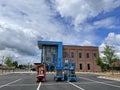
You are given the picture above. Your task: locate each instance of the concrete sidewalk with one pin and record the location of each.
(109, 78)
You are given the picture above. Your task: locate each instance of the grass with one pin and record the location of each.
(113, 76)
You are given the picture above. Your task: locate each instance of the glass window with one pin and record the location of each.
(80, 66)
(64, 54)
(80, 55)
(95, 55)
(87, 55)
(88, 65)
(72, 54)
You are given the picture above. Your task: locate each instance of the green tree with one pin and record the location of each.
(109, 54)
(15, 63)
(22, 66)
(102, 64)
(8, 62)
(108, 59)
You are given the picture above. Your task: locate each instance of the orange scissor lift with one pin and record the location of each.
(41, 72)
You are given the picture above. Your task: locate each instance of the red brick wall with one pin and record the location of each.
(84, 60)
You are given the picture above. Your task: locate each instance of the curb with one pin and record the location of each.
(102, 77)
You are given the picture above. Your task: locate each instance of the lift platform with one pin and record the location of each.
(69, 70)
(41, 72)
(59, 70)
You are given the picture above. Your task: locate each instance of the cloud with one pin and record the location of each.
(22, 24)
(81, 10)
(16, 38)
(113, 40)
(109, 23)
(86, 43)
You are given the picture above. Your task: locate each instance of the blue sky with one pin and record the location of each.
(73, 22)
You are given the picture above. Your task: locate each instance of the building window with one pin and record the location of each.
(80, 66)
(88, 66)
(64, 54)
(95, 55)
(80, 55)
(72, 54)
(87, 55)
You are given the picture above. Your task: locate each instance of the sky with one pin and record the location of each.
(73, 22)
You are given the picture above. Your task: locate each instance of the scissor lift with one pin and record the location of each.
(69, 70)
(59, 70)
(41, 72)
(71, 74)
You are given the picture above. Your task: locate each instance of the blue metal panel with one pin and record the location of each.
(60, 50)
(59, 44)
(48, 43)
(58, 62)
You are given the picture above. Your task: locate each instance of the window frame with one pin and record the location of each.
(80, 55)
(72, 55)
(88, 66)
(87, 55)
(81, 67)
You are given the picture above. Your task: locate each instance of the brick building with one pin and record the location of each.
(84, 56)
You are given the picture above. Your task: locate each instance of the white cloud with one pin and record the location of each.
(113, 40)
(22, 24)
(86, 43)
(81, 10)
(106, 23)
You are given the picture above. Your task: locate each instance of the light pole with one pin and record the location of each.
(28, 66)
(2, 63)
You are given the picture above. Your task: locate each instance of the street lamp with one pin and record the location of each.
(2, 63)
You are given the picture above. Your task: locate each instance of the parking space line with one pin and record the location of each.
(39, 86)
(50, 84)
(100, 82)
(76, 86)
(21, 85)
(9, 83)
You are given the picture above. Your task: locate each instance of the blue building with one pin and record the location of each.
(51, 52)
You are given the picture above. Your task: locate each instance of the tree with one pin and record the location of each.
(15, 63)
(22, 66)
(109, 54)
(8, 62)
(102, 64)
(108, 59)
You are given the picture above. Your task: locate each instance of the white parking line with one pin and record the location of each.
(100, 82)
(21, 85)
(39, 86)
(76, 86)
(9, 83)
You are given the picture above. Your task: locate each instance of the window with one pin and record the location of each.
(64, 54)
(87, 55)
(95, 55)
(80, 66)
(88, 65)
(72, 54)
(80, 55)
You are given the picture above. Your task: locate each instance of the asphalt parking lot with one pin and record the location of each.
(27, 81)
